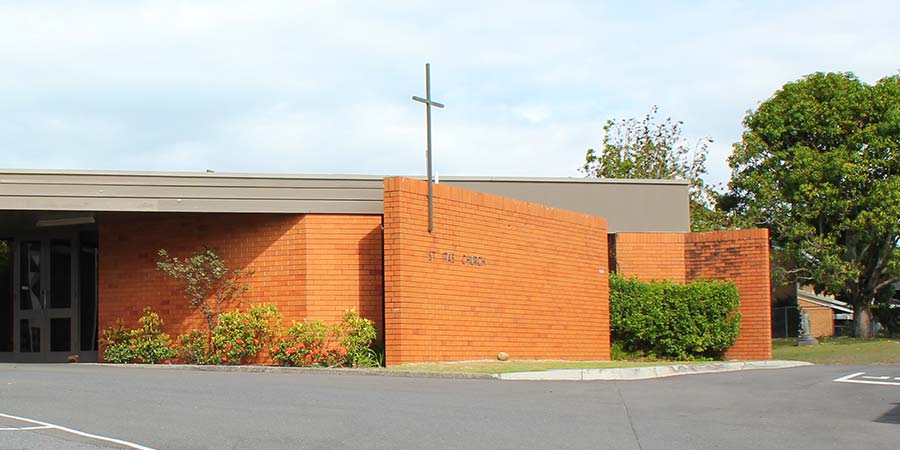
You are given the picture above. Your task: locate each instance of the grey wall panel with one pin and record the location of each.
(627, 205)
(190, 192)
(187, 179)
(191, 205)
(273, 206)
(213, 192)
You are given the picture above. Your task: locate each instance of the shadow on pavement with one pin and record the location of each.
(892, 416)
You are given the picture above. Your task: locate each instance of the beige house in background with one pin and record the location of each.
(826, 314)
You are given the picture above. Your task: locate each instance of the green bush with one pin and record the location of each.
(147, 344)
(618, 352)
(347, 343)
(663, 319)
(309, 344)
(240, 336)
(194, 347)
(357, 334)
(237, 338)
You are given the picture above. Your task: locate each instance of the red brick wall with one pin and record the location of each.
(542, 292)
(651, 256)
(743, 258)
(342, 266)
(312, 266)
(738, 256)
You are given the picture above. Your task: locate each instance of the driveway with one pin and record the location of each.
(47, 406)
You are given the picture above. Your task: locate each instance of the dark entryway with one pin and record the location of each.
(48, 291)
(6, 297)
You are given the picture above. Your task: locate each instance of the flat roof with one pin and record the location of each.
(627, 204)
(299, 176)
(566, 180)
(182, 174)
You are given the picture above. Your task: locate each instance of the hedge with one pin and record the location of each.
(663, 319)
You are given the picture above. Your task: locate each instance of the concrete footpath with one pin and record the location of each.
(608, 374)
(646, 372)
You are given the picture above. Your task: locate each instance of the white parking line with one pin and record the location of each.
(46, 425)
(855, 378)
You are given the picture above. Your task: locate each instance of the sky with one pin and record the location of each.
(325, 87)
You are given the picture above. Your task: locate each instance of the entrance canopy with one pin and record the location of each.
(629, 205)
(59, 190)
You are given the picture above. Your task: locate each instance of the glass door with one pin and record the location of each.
(45, 310)
(30, 333)
(59, 306)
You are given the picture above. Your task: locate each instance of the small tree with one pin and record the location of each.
(649, 148)
(209, 285)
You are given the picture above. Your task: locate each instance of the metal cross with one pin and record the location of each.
(428, 104)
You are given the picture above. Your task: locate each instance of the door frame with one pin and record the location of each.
(46, 314)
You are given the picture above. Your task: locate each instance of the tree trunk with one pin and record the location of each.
(862, 320)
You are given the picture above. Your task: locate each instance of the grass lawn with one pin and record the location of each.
(527, 365)
(840, 350)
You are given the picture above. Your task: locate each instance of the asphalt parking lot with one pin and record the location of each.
(91, 407)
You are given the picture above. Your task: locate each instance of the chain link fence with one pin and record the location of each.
(785, 322)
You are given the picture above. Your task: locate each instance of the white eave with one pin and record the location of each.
(816, 299)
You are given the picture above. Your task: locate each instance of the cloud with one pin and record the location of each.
(324, 87)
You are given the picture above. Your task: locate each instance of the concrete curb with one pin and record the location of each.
(305, 370)
(611, 374)
(648, 372)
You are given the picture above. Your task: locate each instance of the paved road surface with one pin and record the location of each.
(802, 408)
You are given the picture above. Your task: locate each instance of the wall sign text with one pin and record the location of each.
(452, 258)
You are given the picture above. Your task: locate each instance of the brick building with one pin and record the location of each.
(827, 315)
(518, 265)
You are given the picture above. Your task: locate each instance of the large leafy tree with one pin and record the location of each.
(819, 165)
(656, 149)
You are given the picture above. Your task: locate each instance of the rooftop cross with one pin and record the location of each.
(428, 104)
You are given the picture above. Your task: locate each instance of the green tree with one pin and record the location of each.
(654, 149)
(208, 283)
(819, 165)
